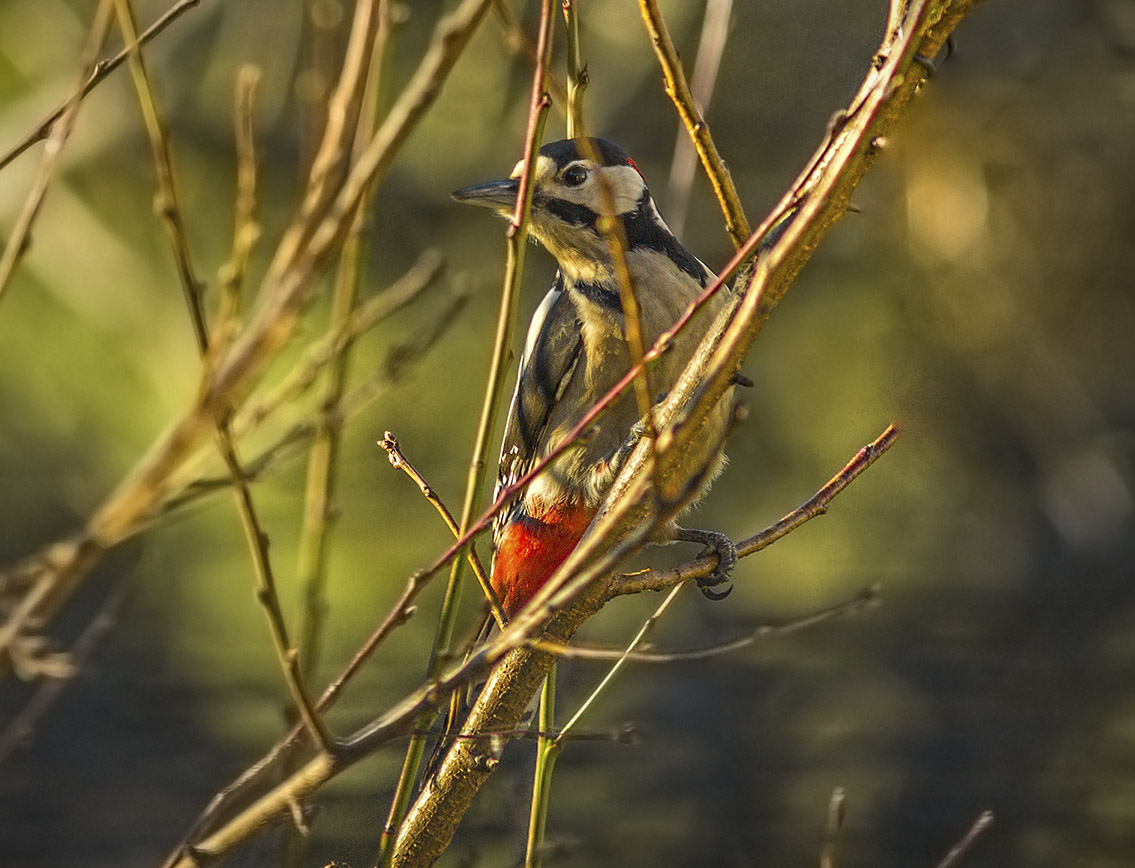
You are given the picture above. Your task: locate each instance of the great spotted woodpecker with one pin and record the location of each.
(576, 351)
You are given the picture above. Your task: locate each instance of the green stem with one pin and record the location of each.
(475, 480)
(547, 751)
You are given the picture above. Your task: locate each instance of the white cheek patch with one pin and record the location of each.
(545, 168)
(626, 187)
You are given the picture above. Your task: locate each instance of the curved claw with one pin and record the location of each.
(719, 544)
(711, 594)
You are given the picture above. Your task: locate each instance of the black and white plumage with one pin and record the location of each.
(576, 351)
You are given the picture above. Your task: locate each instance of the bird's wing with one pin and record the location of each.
(551, 351)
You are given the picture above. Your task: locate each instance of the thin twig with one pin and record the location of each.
(711, 47)
(679, 92)
(960, 849)
(399, 461)
(866, 599)
(19, 240)
(817, 504)
(167, 204)
(99, 72)
(622, 657)
(246, 228)
(577, 76)
(833, 824)
(548, 747)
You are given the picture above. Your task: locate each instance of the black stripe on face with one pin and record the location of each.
(644, 230)
(571, 213)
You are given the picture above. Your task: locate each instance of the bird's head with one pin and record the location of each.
(575, 183)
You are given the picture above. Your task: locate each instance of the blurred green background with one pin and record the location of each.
(981, 298)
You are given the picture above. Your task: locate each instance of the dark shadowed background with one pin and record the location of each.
(981, 299)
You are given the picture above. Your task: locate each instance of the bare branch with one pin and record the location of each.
(817, 504)
(866, 599)
(99, 72)
(399, 461)
(60, 130)
(960, 849)
(679, 91)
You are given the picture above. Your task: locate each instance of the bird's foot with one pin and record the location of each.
(719, 544)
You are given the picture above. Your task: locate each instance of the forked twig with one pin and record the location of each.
(19, 239)
(399, 461)
(99, 72)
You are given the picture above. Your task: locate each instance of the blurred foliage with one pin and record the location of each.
(981, 298)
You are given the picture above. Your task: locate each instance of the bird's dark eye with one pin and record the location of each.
(575, 175)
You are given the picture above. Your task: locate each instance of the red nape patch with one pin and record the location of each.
(634, 166)
(531, 549)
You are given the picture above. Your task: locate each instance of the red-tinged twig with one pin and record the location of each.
(817, 504)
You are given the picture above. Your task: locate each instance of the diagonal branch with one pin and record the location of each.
(19, 240)
(99, 72)
(678, 89)
(817, 504)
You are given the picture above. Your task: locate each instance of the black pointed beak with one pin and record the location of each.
(498, 195)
